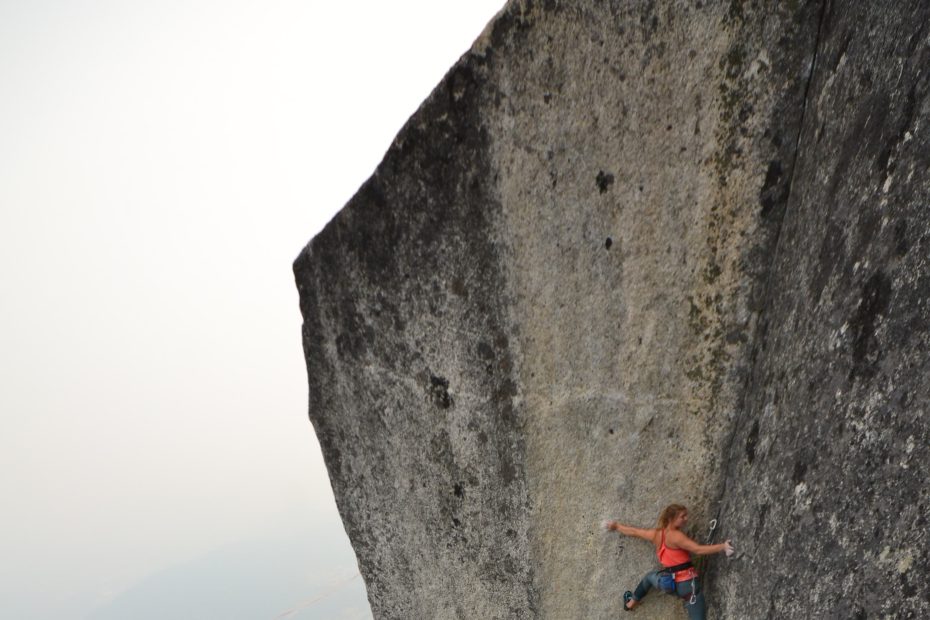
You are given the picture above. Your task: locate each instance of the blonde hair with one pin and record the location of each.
(669, 514)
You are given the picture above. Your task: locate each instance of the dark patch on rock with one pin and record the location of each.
(832, 254)
(760, 521)
(800, 469)
(608, 243)
(508, 470)
(867, 227)
(773, 193)
(751, 440)
(604, 181)
(485, 351)
(908, 589)
(901, 245)
(439, 391)
(736, 336)
(458, 288)
(873, 301)
(504, 394)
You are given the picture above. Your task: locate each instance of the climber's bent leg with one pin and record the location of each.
(649, 581)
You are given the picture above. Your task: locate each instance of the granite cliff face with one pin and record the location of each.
(827, 474)
(629, 253)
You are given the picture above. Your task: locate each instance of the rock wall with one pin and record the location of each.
(827, 485)
(630, 253)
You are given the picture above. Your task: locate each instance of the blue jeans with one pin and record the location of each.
(695, 610)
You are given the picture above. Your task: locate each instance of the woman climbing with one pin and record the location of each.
(674, 550)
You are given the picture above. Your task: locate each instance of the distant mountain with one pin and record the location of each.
(289, 579)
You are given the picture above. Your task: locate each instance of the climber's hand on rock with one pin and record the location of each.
(727, 548)
(607, 525)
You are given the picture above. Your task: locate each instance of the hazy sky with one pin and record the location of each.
(161, 165)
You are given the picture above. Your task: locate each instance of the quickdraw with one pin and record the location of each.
(693, 599)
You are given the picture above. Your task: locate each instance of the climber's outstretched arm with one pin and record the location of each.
(629, 530)
(681, 541)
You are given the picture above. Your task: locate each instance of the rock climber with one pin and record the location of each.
(674, 550)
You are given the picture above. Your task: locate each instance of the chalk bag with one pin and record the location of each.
(667, 582)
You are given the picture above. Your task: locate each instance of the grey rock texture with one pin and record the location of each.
(827, 485)
(629, 253)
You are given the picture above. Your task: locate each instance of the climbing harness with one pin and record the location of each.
(666, 577)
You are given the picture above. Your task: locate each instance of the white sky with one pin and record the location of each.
(161, 165)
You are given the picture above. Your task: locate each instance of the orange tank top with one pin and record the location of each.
(674, 557)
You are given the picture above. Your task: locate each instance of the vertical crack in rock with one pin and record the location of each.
(773, 176)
